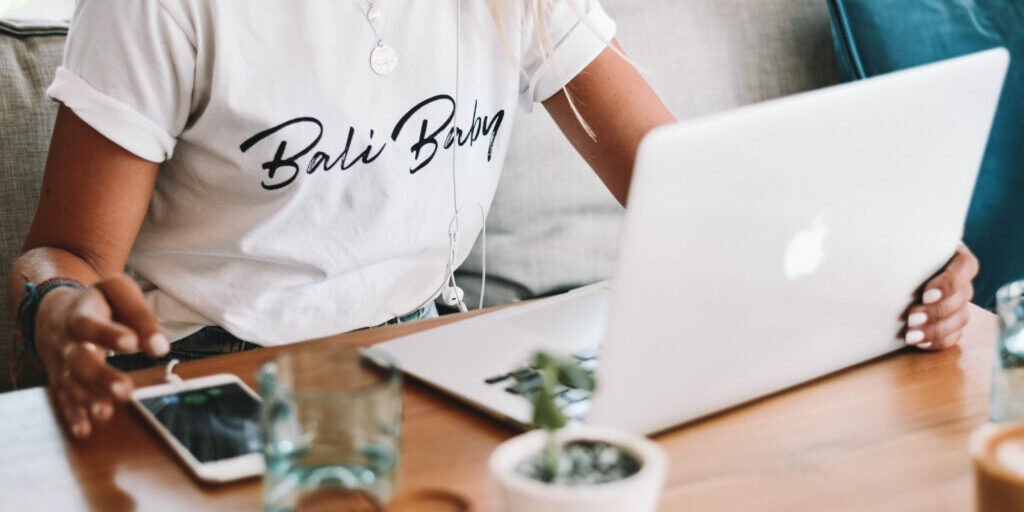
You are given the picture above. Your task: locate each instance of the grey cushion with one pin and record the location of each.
(29, 54)
(553, 226)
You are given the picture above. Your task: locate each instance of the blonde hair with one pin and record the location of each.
(537, 11)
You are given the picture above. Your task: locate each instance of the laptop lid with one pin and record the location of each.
(776, 243)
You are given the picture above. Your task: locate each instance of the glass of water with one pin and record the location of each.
(1007, 403)
(332, 419)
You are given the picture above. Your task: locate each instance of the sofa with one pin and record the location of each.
(552, 226)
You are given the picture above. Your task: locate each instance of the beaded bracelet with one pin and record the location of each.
(25, 321)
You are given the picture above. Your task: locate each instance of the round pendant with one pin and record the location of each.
(373, 12)
(383, 59)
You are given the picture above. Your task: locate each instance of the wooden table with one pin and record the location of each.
(887, 435)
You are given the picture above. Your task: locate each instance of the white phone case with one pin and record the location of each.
(226, 470)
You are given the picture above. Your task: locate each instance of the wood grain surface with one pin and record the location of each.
(888, 435)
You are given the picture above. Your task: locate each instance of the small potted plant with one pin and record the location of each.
(571, 467)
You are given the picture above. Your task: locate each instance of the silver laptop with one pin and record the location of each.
(762, 248)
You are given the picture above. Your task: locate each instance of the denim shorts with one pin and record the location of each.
(215, 341)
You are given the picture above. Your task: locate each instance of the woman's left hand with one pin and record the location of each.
(938, 321)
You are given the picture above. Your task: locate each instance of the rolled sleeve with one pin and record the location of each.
(115, 120)
(575, 42)
(128, 72)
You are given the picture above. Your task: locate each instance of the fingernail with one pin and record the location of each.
(915, 336)
(126, 343)
(100, 411)
(931, 296)
(925, 345)
(159, 344)
(917, 319)
(118, 389)
(79, 430)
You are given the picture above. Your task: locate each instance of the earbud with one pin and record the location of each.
(452, 296)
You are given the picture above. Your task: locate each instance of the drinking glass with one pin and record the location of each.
(332, 418)
(1007, 402)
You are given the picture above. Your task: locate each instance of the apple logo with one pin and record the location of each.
(806, 250)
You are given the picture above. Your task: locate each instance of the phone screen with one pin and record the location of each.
(214, 423)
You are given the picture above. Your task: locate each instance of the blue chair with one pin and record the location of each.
(878, 36)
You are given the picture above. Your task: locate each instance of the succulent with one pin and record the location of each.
(554, 372)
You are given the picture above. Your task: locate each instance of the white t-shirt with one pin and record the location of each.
(300, 194)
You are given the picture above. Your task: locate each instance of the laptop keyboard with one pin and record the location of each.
(525, 381)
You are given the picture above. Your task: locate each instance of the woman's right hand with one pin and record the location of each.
(74, 331)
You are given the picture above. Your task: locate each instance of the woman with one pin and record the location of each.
(275, 171)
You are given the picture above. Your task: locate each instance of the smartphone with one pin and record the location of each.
(211, 423)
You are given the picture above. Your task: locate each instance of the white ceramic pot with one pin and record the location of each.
(638, 493)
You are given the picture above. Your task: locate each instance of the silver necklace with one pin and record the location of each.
(383, 57)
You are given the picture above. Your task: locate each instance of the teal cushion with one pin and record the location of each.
(879, 36)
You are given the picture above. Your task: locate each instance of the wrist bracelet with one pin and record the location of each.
(27, 309)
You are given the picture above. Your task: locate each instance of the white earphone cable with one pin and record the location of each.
(449, 289)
